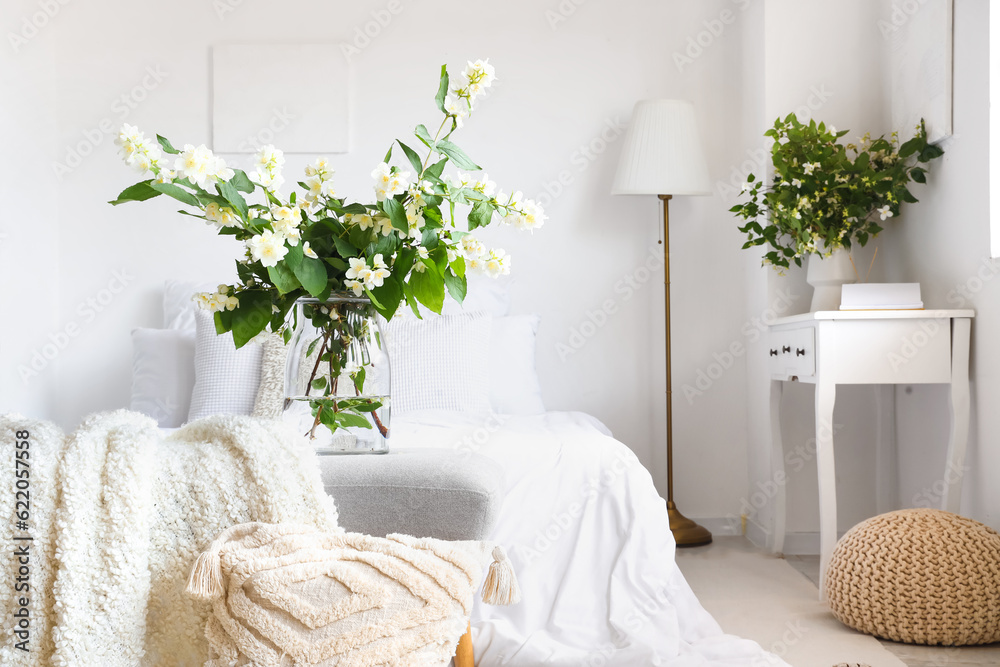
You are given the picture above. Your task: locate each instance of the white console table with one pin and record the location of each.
(884, 347)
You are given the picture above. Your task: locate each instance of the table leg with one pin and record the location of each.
(886, 461)
(826, 393)
(777, 469)
(955, 468)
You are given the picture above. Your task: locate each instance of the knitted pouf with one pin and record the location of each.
(918, 576)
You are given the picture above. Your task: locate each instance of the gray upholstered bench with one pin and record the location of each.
(421, 492)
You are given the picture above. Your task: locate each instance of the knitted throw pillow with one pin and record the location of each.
(286, 595)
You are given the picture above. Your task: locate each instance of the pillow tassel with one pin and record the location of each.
(501, 586)
(205, 582)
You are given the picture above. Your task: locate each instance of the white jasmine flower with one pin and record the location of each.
(166, 176)
(810, 167)
(422, 253)
(472, 247)
(477, 77)
(885, 212)
(357, 265)
(457, 107)
(497, 263)
(138, 152)
(309, 252)
(452, 255)
(363, 220)
(415, 220)
(419, 267)
(485, 185)
(269, 158)
(198, 164)
(389, 183)
(358, 288)
(796, 183)
(383, 225)
(268, 248)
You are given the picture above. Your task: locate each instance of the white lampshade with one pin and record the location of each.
(662, 153)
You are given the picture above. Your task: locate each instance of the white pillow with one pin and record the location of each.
(440, 363)
(514, 385)
(226, 379)
(162, 374)
(178, 308)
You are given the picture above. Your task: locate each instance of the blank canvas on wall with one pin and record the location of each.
(920, 40)
(270, 94)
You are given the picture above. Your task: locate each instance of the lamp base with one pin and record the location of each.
(686, 532)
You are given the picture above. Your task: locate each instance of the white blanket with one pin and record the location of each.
(118, 515)
(590, 541)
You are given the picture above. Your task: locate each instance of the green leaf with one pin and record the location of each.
(252, 315)
(457, 285)
(428, 288)
(389, 295)
(480, 215)
(138, 192)
(282, 277)
(312, 274)
(442, 89)
(396, 213)
(412, 156)
(223, 321)
(319, 384)
(456, 155)
(436, 169)
(359, 380)
(232, 195)
(351, 420)
(344, 247)
(178, 193)
(388, 155)
(421, 132)
(241, 181)
(166, 145)
(411, 301)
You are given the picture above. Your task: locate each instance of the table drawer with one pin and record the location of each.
(792, 352)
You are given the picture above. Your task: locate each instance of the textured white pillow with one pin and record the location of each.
(514, 385)
(162, 374)
(440, 363)
(226, 379)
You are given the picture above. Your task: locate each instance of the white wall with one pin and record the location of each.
(563, 79)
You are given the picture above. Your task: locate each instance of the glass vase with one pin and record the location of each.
(337, 376)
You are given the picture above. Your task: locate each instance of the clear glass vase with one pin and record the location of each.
(337, 376)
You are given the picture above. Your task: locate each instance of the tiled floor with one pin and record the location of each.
(915, 656)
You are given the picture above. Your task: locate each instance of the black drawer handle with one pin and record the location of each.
(774, 353)
(786, 349)
(799, 352)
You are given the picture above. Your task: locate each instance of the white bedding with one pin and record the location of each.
(590, 540)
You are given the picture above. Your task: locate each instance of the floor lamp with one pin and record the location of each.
(662, 156)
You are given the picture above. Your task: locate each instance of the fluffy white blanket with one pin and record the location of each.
(116, 515)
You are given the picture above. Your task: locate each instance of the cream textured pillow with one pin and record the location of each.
(288, 594)
(440, 363)
(270, 400)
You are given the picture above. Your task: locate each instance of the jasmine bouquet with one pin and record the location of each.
(407, 244)
(825, 194)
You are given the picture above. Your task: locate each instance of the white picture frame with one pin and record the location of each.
(994, 133)
(270, 94)
(921, 36)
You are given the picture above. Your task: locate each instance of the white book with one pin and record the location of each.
(881, 296)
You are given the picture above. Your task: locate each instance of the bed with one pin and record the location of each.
(582, 521)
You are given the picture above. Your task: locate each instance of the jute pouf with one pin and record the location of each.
(918, 576)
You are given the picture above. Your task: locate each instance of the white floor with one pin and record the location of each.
(775, 602)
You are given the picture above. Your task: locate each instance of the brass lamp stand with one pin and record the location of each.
(686, 532)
